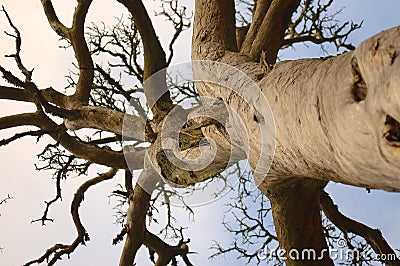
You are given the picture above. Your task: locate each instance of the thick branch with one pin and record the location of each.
(76, 36)
(297, 219)
(17, 120)
(214, 29)
(76, 147)
(336, 118)
(49, 94)
(178, 155)
(82, 54)
(227, 9)
(86, 116)
(107, 120)
(241, 35)
(80, 13)
(154, 55)
(55, 23)
(272, 30)
(165, 251)
(372, 236)
(139, 202)
(98, 155)
(156, 91)
(260, 11)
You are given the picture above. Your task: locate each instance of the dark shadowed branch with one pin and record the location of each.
(60, 174)
(4, 200)
(167, 253)
(272, 30)
(139, 202)
(56, 252)
(154, 59)
(178, 16)
(18, 41)
(372, 236)
(54, 22)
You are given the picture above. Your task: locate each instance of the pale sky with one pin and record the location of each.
(23, 241)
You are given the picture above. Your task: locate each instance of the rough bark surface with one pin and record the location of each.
(326, 119)
(296, 211)
(333, 116)
(323, 129)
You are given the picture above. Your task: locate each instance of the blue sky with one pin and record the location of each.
(23, 241)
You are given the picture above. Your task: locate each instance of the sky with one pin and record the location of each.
(23, 241)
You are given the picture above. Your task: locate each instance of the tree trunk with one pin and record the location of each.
(336, 119)
(298, 224)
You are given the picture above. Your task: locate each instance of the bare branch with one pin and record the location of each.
(313, 23)
(166, 253)
(128, 181)
(154, 55)
(4, 200)
(80, 13)
(17, 120)
(123, 42)
(107, 120)
(18, 41)
(76, 36)
(83, 117)
(76, 147)
(10, 78)
(55, 23)
(113, 82)
(372, 236)
(178, 17)
(60, 174)
(58, 250)
(120, 236)
(36, 133)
